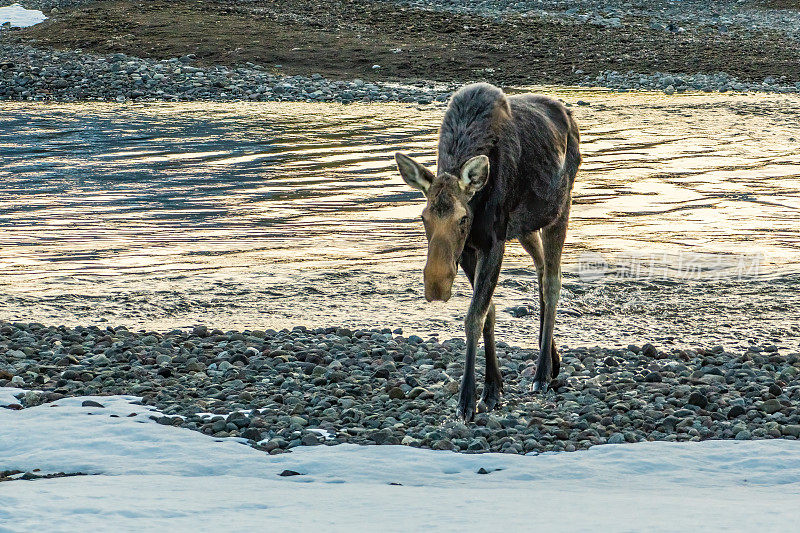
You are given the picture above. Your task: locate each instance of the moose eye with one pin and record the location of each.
(464, 222)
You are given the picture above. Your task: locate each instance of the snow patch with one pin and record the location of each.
(19, 17)
(155, 477)
(324, 433)
(8, 395)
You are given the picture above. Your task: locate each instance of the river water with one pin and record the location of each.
(685, 227)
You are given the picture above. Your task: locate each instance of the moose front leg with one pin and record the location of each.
(486, 273)
(493, 380)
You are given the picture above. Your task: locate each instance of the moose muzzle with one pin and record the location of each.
(439, 273)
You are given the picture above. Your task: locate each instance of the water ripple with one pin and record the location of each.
(187, 199)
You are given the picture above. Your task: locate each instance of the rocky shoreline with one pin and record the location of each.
(724, 15)
(672, 83)
(666, 15)
(281, 389)
(56, 61)
(29, 73)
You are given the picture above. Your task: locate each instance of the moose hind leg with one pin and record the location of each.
(553, 244)
(532, 243)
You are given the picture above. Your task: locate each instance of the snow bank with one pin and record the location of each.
(20, 17)
(8, 395)
(155, 477)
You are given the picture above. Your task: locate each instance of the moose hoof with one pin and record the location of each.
(490, 398)
(466, 404)
(540, 385)
(466, 412)
(556, 358)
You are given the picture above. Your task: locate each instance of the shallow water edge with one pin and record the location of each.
(268, 215)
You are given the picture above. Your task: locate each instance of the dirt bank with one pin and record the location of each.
(346, 38)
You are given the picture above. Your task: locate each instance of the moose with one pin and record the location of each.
(505, 170)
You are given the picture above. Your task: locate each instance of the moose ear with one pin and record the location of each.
(475, 174)
(413, 173)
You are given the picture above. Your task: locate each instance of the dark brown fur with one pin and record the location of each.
(531, 143)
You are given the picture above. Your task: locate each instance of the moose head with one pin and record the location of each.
(447, 216)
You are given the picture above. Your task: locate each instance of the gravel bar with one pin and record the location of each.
(281, 389)
(667, 15)
(672, 83)
(29, 73)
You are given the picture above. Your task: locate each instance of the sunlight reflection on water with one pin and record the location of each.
(197, 206)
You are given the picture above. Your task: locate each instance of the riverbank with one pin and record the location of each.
(203, 483)
(282, 389)
(356, 51)
(32, 73)
(29, 73)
